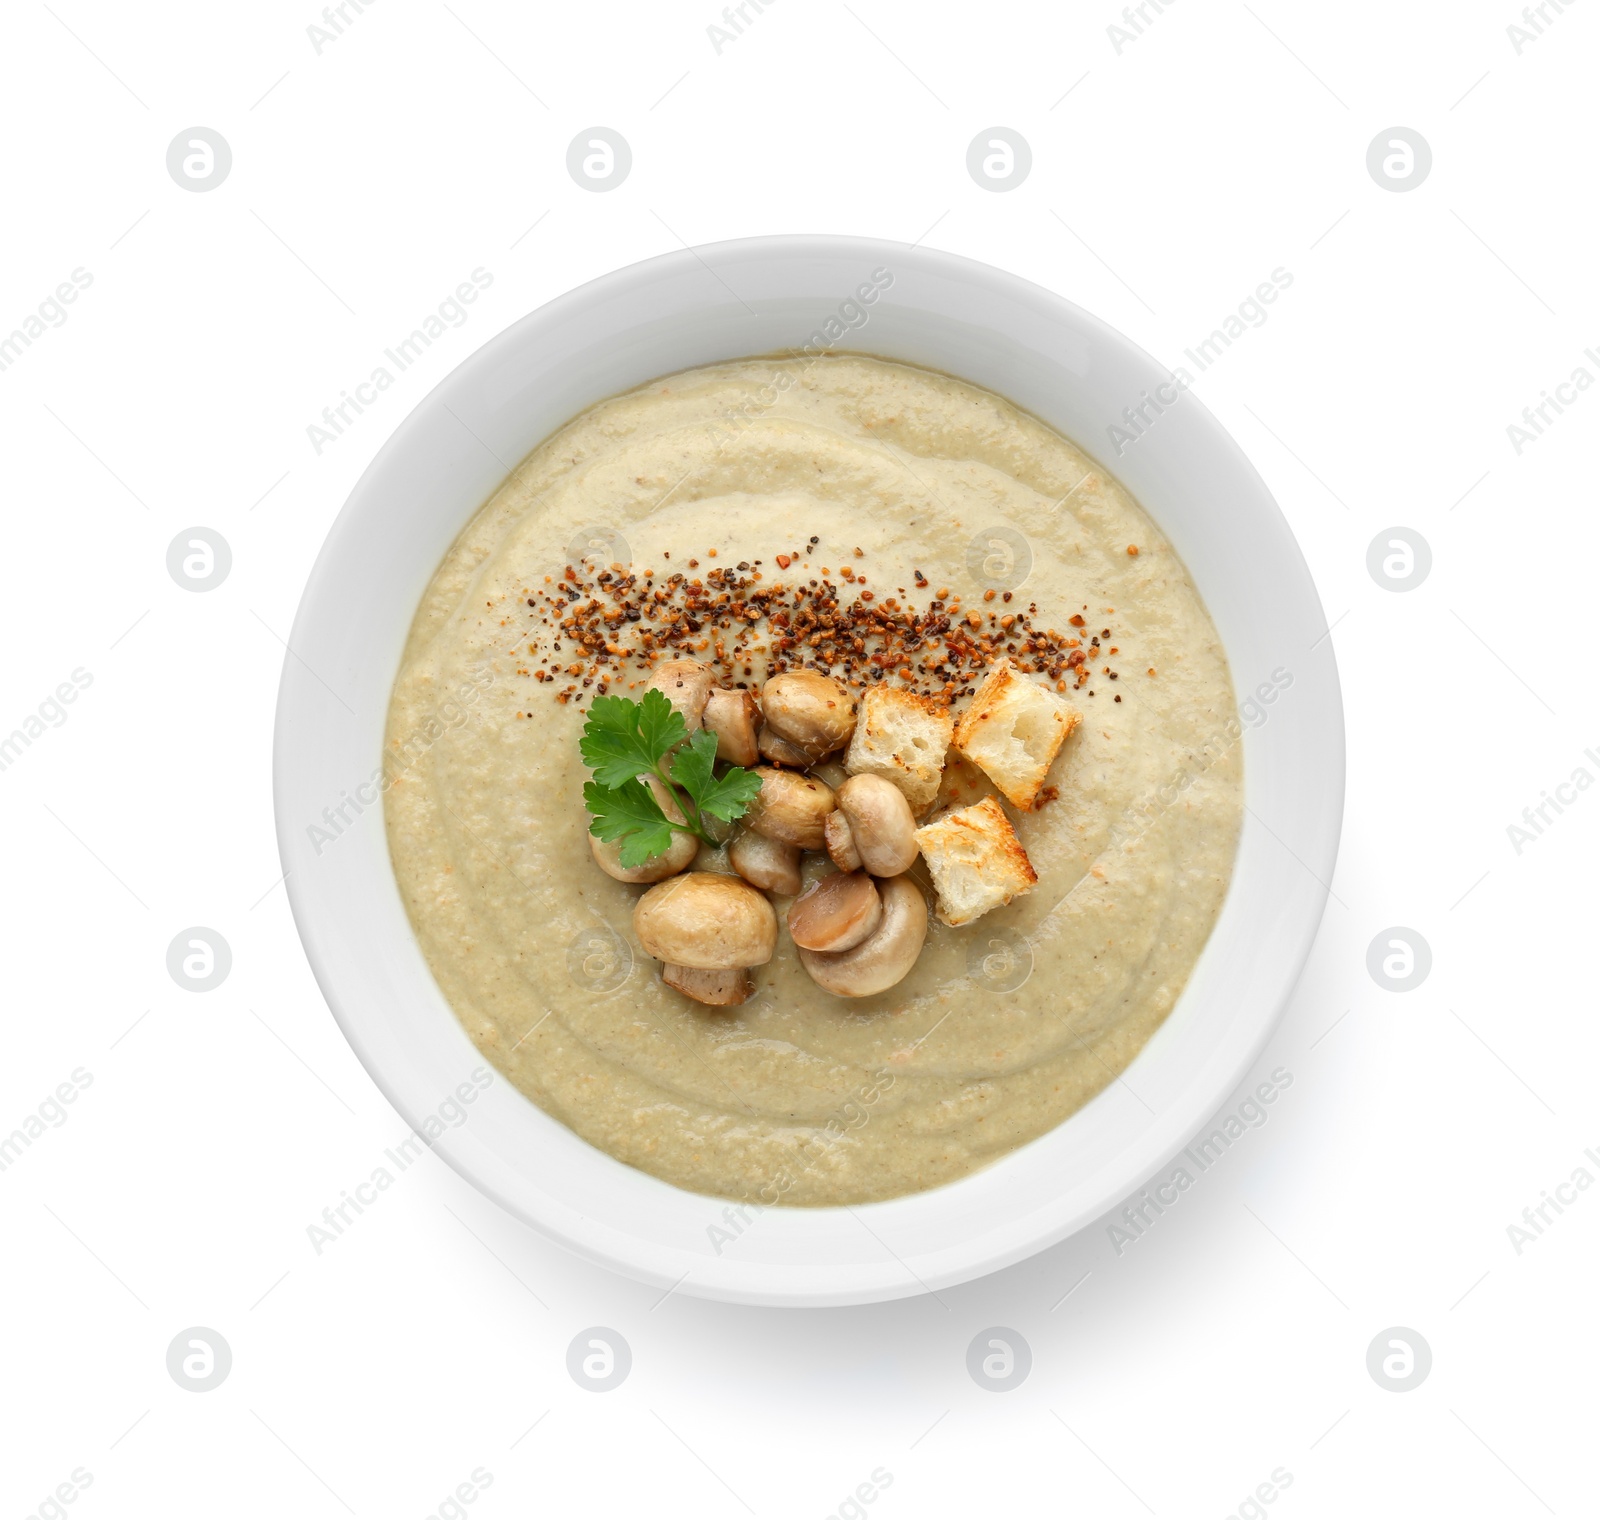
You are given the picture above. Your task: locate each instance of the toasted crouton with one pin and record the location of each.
(903, 738)
(976, 861)
(1012, 731)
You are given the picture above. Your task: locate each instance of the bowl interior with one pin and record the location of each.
(724, 302)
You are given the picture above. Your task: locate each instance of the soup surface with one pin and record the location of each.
(881, 486)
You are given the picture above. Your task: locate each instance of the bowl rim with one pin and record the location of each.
(760, 1285)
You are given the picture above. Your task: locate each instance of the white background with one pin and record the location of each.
(1169, 179)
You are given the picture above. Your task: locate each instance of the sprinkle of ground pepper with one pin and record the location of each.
(619, 623)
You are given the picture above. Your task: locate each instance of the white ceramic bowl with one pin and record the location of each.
(727, 301)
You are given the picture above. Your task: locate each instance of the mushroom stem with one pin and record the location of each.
(839, 842)
(716, 989)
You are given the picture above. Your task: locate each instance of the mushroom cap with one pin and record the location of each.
(790, 807)
(707, 922)
(770, 864)
(733, 717)
(810, 710)
(676, 857)
(885, 956)
(771, 745)
(686, 684)
(882, 826)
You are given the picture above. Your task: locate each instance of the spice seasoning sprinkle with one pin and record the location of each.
(587, 632)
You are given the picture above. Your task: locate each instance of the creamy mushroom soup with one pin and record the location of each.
(897, 532)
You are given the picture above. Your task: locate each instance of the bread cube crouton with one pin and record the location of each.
(976, 861)
(903, 738)
(1012, 731)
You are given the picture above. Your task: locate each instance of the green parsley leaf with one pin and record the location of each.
(728, 798)
(622, 737)
(691, 766)
(624, 740)
(631, 814)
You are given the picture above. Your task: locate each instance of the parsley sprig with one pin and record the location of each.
(625, 740)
